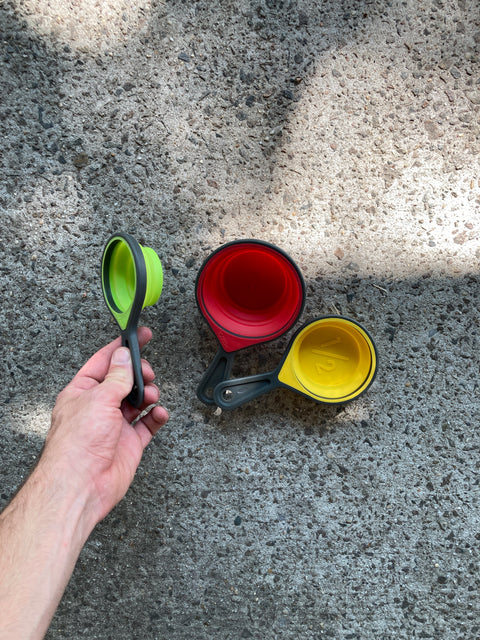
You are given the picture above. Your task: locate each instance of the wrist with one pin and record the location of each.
(66, 498)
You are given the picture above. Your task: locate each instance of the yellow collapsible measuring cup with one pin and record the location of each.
(331, 360)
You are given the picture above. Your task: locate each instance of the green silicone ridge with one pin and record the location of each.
(154, 276)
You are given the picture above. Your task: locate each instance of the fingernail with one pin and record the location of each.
(121, 356)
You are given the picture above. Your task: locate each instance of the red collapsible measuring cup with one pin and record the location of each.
(249, 291)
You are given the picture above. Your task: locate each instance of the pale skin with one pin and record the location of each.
(90, 456)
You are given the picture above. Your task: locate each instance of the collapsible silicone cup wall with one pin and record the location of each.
(121, 280)
(249, 292)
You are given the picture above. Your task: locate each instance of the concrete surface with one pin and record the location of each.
(346, 132)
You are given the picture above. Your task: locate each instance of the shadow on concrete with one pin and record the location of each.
(222, 502)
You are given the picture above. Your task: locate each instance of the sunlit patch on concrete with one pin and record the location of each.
(88, 25)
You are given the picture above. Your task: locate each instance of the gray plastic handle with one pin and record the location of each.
(130, 340)
(233, 393)
(218, 371)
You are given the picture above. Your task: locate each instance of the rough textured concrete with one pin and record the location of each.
(346, 132)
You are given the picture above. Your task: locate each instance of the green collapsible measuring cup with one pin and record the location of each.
(132, 279)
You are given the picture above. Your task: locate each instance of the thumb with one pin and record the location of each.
(119, 379)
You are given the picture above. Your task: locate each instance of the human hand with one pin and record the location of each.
(91, 454)
(92, 442)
